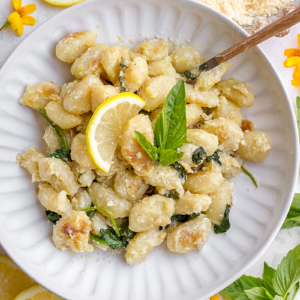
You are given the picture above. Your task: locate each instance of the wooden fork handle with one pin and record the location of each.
(267, 32)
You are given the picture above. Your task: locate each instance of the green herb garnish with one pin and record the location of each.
(170, 129)
(180, 169)
(108, 236)
(293, 216)
(91, 213)
(250, 175)
(121, 74)
(225, 224)
(214, 157)
(194, 215)
(113, 222)
(179, 218)
(64, 152)
(173, 194)
(199, 155)
(279, 284)
(52, 216)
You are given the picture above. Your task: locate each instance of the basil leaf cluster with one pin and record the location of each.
(280, 284)
(170, 129)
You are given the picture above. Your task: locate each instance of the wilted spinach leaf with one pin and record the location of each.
(199, 155)
(52, 216)
(225, 224)
(214, 157)
(173, 194)
(179, 168)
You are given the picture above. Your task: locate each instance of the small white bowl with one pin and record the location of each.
(256, 216)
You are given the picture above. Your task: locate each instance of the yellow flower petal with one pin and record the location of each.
(290, 52)
(295, 82)
(28, 20)
(296, 73)
(17, 4)
(16, 23)
(26, 10)
(292, 61)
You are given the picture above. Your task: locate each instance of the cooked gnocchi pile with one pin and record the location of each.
(162, 184)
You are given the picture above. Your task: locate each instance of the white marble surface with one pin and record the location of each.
(274, 48)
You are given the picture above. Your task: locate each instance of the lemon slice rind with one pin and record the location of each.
(32, 293)
(63, 3)
(98, 115)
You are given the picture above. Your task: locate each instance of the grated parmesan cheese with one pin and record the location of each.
(244, 11)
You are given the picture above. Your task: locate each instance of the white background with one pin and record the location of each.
(274, 48)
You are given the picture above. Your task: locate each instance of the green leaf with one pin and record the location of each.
(287, 273)
(199, 155)
(277, 298)
(267, 277)
(258, 293)
(52, 216)
(173, 194)
(180, 169)
(125, 232)
(293, 216)
(179, 218)
(113, 241)
(170, 127)
(151, 150)
(194, 215)
(250, 175)
(236, 289)
(225, 224)
(214, 157)
(64, 152)
(168, 156)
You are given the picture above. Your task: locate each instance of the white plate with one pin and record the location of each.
(256, 216)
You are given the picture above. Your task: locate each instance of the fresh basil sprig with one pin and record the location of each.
(293, 216)
(279, 284)
(64, 152)
(170, 129)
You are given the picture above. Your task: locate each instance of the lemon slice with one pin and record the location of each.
(37, 292)
(107, 124)
(12, 279)
(63, 2)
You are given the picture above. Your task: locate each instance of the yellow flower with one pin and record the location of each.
(293, 60)
(20, 16)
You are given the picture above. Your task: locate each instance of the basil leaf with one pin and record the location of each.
(225, 224)
(277, 298)
(151, 150)
(168, 156)
(52, 216)
(125, 232)
(250, 175)
(199, 155)
(293, 216)
(170, 127)
(287, 273)
(179, 218)
(194, 215)
(113, 241)
(267, 277)
(258, 293)
(180, 169)
(214, 157)
(173, 194)
(236, 289)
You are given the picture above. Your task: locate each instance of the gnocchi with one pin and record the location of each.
(140, 201)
